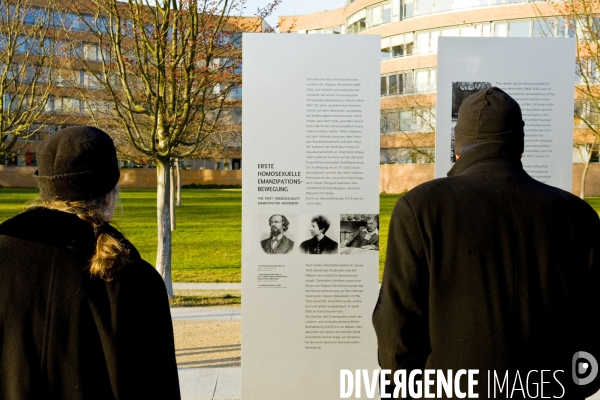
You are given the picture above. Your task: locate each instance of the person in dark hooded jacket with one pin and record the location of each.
(82, 316)
(491, 270)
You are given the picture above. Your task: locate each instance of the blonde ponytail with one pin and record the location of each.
(111, 254)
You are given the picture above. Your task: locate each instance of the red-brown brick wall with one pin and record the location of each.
(394, 178)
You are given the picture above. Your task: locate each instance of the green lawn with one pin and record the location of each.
(207, 243)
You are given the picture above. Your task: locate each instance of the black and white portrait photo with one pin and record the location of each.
(321, 232)
(278, 239)
(359, 233)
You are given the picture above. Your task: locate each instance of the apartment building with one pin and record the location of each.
(409, 31)
(48, 47)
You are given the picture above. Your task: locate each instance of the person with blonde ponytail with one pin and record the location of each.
(82, 315)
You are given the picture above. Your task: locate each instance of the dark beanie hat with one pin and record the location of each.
(489, 115)
(78, 163)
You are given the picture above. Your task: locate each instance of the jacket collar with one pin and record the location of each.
(486, 158)
(61, 229)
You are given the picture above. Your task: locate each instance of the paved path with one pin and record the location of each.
(210, 383)
(216, 383)
(207, 286)
(206, 313)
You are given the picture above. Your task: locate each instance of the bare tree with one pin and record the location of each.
(579, 19)
(410, 120)
(586, 137)
(168, 70)
(27, 50)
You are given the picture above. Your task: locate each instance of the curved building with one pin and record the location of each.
(409, 31)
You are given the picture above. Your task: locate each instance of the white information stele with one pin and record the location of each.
(311, 155)
(539, 73)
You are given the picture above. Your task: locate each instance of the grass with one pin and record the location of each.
(207, 242)
(206, 245)
(206, 298)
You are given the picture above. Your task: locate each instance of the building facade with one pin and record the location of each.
(51, 56)
(409, 31)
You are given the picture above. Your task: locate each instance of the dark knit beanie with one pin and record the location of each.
(489, 115)
(78, 163)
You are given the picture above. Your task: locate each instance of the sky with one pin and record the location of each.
(293, 7)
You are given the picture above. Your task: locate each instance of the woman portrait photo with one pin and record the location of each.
(319, 243)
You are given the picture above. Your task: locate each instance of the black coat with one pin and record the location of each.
(284, 247)
(490, 269)
(325, 246)
(67, 336)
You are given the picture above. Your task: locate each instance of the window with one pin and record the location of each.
(91, 51)
(90, 81)
(376, 16)
(458, 4)
(434, 41)
(422, 43)
(391, 121)
(238, 68)
(500, 29)
(406, 121)
(397, 51)
(424, 7)
(396, 10)
(402, 45)
(561, 28)
(29, 73)
(407, 9)
(385, 53)
(518, 29)
(357, 22)
(21, 45)
(102, 24)
(443, 5)
(450, 32)
(470, 30)
(236, 40)
(397, 84)
(68, 105)
(408, 85)
(236, 115)
(588, 71)
(35, 16)
(393, 84)
(235, 93)
(486, 29)
(543, 28)
(387, 13)
(422, 80)
(65, 77)
(407, 155)
(13, 70)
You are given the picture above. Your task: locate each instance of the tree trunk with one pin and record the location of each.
(178, 172)
(172, 192)
(163, 205)
(586, 167)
